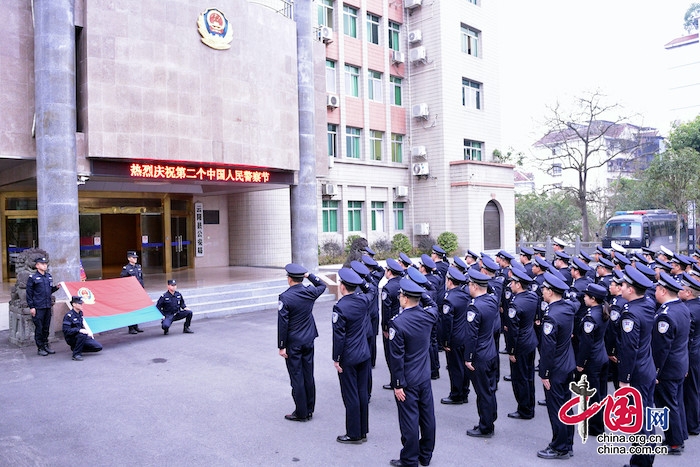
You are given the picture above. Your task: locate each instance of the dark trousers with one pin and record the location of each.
(484, 378)
(42, 326)
(646, 390)
(597, 378)
(562, 435)
(83, 343)
(691, 395)
(182, 314)
(385, 342)
(417, 424)
(668, 393)
(372, 349)
(300, 366)
(372, 343)
(434, 353)
(353, 389)
(459, 375)
(522, 374)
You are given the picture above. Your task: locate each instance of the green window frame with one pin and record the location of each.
(396, 147)
(378, 216)
(374, 86)
(352, 142)
(352, 81)
(399, 209)
(354, 216)
(394, 36)
(330, 215)
(325, 13)
(376, 141)
(332, 140)
(396, 87)
(473, 150)
(350, 21)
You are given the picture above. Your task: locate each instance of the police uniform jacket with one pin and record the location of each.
(557, 361)
(635, 362)
(171, 303)
(520, 337)
(372, 292)
(72, 324)
(497, 285)
(454, 318)
(377, 274)
(434, 286)
(528, 269)
(576, 293)
(350, 319)
(441, 268)
(133, 270)
(670, 340)
(481, 320)
(612, 333)
(605, 281)
(694, 335)
(39, 289)
(390, 301)
(409, 344)
(591, 337)
(295, 322)
(566, 272)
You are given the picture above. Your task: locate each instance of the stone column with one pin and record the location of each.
(303, 195)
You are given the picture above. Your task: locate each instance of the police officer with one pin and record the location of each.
(409, 363)
(480, 355)
(390, 303)
(374, 267)
(173, 308)
(669, 346)
(691, 386)
(587, 259)
(472, 260)
(612, 333)
(635, 361)
(351, 355)
(77, 333)
(372, 292)
(454, 309)
(296, 331)
(132, 268)
(561, 262)
(39, 290)
(580, 283)
(557, 364)
(526, 255)
(558, 244)
(604, 272)
(521, 343)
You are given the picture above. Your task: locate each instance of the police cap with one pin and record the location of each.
(634, 277)
(359, 268)
(439, 250)
(665, 251)
(479, 278)
(349, 277)
(600, 250)
(295, 271)
(460, 264)
(76, 299)
(669, 283)
(540, 250)
(503, 254)
(489, 263)
(562, 255)
(618, 276)
(410, 288)
(516, 265)
(621, 260)
(559, 241)
(640, 258)
(580, 265)
(662, 264)
(585, 256)
(394, 266)
(647, 271)
(543, 263)
(428, 262)
(41, 259)
(689, 281)
(529, 252)
(369, 261)
(648, 251)
(472, 254)
(172, 282)
(606, 263)
(596, 291)
(553, 282)
(403, 257)
(131, 254)
(521, 276)
(618, 248)
(682, 260)
(416, 276)
(369, 251)
(456, 276)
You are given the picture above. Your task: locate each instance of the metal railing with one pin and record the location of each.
(578, 246)
(283, 7)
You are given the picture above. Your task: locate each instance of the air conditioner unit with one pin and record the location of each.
(421, 229)
(418, 151)
(420, 111)
(411, 4)
(332, 100)
(329, 189)
(415, 36)
(417, 54)
(325, 34)
(397, 56)
(420, 168)
(401, 191)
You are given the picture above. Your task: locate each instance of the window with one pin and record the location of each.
(374, 86)
(394, 36)
(352, 81)
(470, 41)
(556, 170)
(378, 216)
(472, 150)
(372, 28)
(471, 94)
(330, 76)
(396, 148)
(398, 215)
(376, 139)
(332, 140)
(325, 13)
(354, 216)
(352, 142)
(396, 88)
(330, 216)
(350, 21)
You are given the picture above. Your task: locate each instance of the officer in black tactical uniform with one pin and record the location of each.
(76, 331)
(172, 306)
(39, 289)
(132, 268)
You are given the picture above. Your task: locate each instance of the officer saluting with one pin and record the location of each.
(409, 363)
(132, 268)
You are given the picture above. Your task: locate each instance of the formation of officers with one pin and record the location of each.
(633, 320)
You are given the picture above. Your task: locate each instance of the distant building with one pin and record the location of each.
(524, 182)
(683, 77)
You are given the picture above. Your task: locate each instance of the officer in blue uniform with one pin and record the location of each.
(480, 355)
(372, 294)
(472, 260)
(561, 262)
(612, 333)
(390, 303)
(521, 343)
(351, 355)
(557, 364)
(592, 358)
(580, 279)
(76, 332)
(635, 361)
(39, 290)
(409, 363)
(460, 264)
(132, 268)
(454, 309)
(691, 387)
(604, 272)
(296, 331)
(374, 267)
(173, 308)
(526, 255)
(669, 345)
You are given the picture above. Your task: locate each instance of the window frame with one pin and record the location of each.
(331, 76)
(350, 21)
(394, 35)
(374, 27)
(471, 150)
(470, 46)
(378, 210)
(324, 13)
(329, 214)
(352, 80)
(396, 90)
(332, 139)
(376, 144)
(397, 148)
(355, 216)
(399, 208)
(353, 138)
(374, 85)
(472, 94)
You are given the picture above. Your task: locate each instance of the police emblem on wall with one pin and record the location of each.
(215, 29)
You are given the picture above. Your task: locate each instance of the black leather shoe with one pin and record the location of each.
(435, 375)
(693, 433)
(550, 453)
(42, 352)
(542, 402)
(421, 462)
(138, 329)
(450, 401)
(187, 330)
(49, 350)
(518, 416)
(675, 450)
(507, 378)
(78, 357)
(345, 439)
(477, 433)
(133, 331)
(293, 417)
(387, 386)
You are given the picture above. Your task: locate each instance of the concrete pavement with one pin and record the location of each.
(218, 397)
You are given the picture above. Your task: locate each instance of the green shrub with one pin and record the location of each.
(401, 243)
(382, 248)
(448, 242)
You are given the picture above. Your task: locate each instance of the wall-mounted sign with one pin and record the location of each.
(215, 29)
(199, 229)
(173, 172)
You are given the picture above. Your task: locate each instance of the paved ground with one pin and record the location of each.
(217, 398)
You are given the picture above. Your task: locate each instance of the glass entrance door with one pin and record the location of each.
(181, 243)
(21, 234)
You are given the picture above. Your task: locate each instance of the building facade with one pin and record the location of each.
(683, 58)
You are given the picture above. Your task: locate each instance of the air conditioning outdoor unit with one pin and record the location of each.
(415, 36)
(329, 189)
(418, 151)
(420, 111)
(325, 34)
(332, 100)
(420, 168)
(417, 54)
(411, 4)
(421, 229)
(401, 191)
(397, 56)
